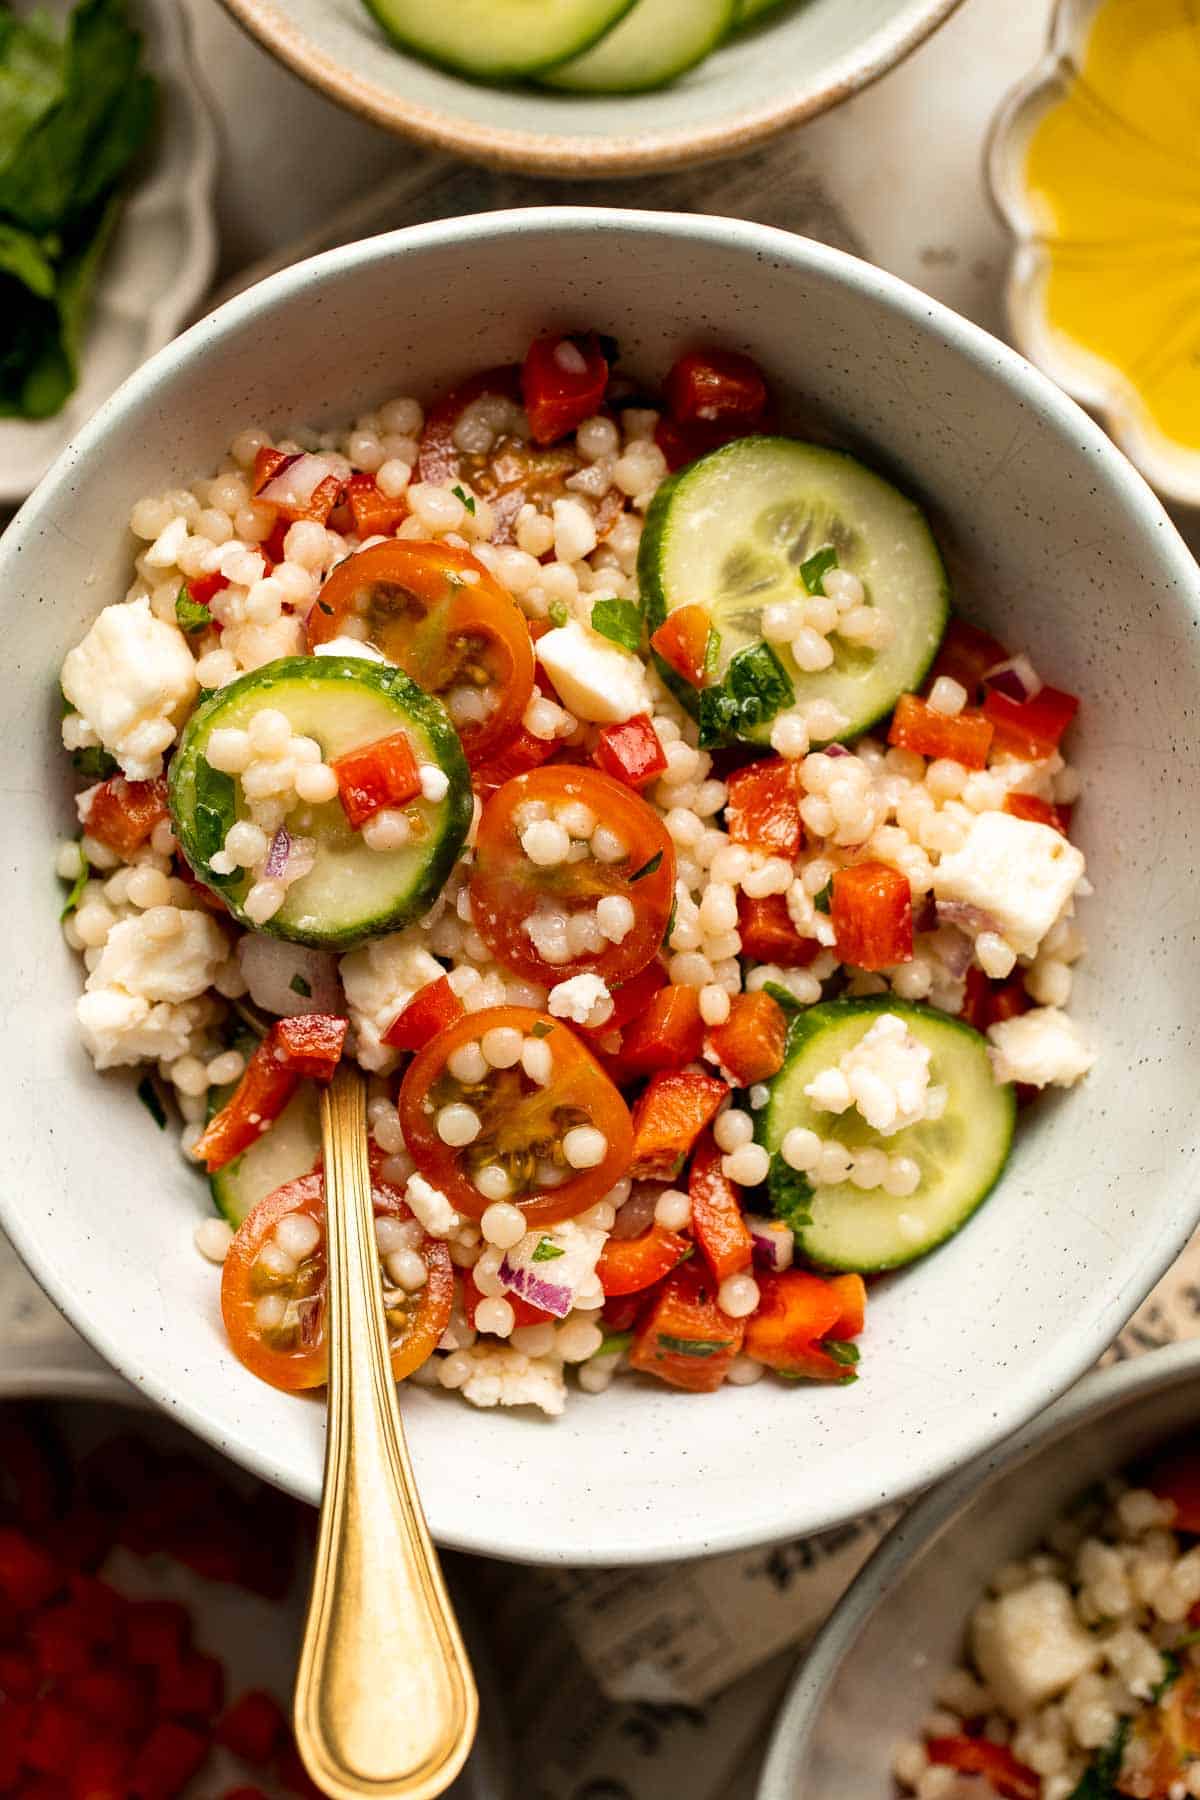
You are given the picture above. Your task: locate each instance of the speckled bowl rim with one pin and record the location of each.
(574, 157)
(945, 1507)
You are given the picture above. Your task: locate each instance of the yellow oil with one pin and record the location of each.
(1113, 170)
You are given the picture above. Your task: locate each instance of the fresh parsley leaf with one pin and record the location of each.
(647, 868)
(824, 900)
(540, 1029)
(1172, 1669)
(558, 613)
(300, 986)
(76, 893)
(94, 763)
(1099, 1780)
(468, 500)
(191, 615)
(615, 1343)
(791, 1194)
(215, 811)
(718, 717)
(148, 1094)
(690, 1346)
(755, 689)
(848, 1355)
(619, 620)
(547, 1251)
(814, 571)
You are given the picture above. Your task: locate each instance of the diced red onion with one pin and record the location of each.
(955, 951)
(924, 913)
(277, 855)
(551, 1296)
(295, 481)
(774, 1243)
(836, 750)
(968, 918)
(271, 966)
(1016, 679)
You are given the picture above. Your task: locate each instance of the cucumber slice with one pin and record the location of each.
(655, 43)
(495, 39)
(352, 892)
(731, 530)
(749, 10)
(960, 1155)
(285, 1152)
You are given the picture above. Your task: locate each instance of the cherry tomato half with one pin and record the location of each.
(275, 1316)
(445, 620)
(522, 1122)
(526, 911)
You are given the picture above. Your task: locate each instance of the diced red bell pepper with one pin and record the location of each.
(1175, 1476)
(519, 755)
(717, 1223)
(294, 1776)
(15, 1719)
(683, 1337)
(192, 1688)
(871, 910)
(851, 1291)
(986, 1002)
(311, 1044)
(123, 814)
(380, 774)
(749, 1045)
(630, 1265)
(374, 514)
(101, 1771)
(769, 936)
(668, 1118)
(965, 656)
(965, 738)
(203, 589)
(631, 752)
(157, 1633)
(55, 1640)
(20, 1676)
(716, 387)
(682, 641)
(1038, 812)
(668, 1033)
(1030, 729)
(321, 503)
(563, 382)
(632, 997)
(254, 1727)
(431, 1009)
(763, 808)
(996, 1762)
(795, 1311)
(28, 1577)
(114, 1697)
(170, 1757)
(54, 1738)
(98, 1609)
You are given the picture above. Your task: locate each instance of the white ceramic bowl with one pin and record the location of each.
(794, 65)
(1065, 550)
(868, 1681)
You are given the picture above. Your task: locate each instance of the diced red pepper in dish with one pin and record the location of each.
(167, 1761)
(431, 1009)
(668, 1118)
(158, 1633)
(101, 1771)
(254, 1727)
(123, 814)
(203, 589)
(1175, 1476)
(769, 936)
(55, 1640)
(192, 1688)
(373, 513)
(966, 655)
(630, 1265)
(871, 910)
(309, 1045)
(55, 1737)
(682, 640)
(381, 774)
(749, 1045)
(631, 998)
(683, 1337)
(563, 382)
(716, 387)
(519, 755)
(28, 1577)
(995, 1762)
(796, 1310)
(763, 808)
(965, 737)
(1030, 729)
(668, 1033)
(115, 1698)
(985, 1002)
(324, 497)
(20, 1677)
(1038, 812)
(631, 752)
(717, 1223)
(851, 1291)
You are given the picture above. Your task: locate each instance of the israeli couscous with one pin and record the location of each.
(608, 777)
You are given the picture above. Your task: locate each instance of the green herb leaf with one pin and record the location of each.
(1099, 1780)
(148, 1094)
(77, 887)
(842, 1352)
(755, 689)
(191, 615)
(615, 1344)
(558, 613)
(619, 620)
(712, 653)
(468, 500)
(215, 811)
(547, 1251)
(94, 763)
(299, 985)
(540, 1029)
(1172, 1669)
(718, 717)
(691, 1346)
(824, 900)
(791, 1194)
(647, 868)
(813, 572)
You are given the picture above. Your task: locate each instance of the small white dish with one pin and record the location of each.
(160, 263)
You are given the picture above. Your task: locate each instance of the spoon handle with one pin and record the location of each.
(385, 1701)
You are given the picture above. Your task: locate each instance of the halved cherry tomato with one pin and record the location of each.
(276, 1321)
(431, 1009)
(769, 936)
(717, 1222)
(763, 808)
(711, 386)
(1162, 1746)
(522, 1122)
(871, 909)
(996, 1762)
(123, 814)
(964, 738)
(629, 1265)
(563, 381)
(439, 615)
(683, 1337)
(521, 754)
(682, 641)
(509, 891)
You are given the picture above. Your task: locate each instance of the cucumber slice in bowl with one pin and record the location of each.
(495, 39)
(654, 44)
(960, 1155)
(288, 1150)
(731, 532)
(352, 892)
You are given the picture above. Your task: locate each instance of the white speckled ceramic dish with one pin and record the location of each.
(159, 264)
(1068, 552)
(795, 64)
(868, 1680)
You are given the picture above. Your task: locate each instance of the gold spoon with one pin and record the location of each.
(385, 1700)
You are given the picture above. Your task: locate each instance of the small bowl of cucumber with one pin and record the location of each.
(580, 88)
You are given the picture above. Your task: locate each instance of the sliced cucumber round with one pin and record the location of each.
(288, 1150)
(495, 39)
(731, 532)
(960, 1155)
(749, 10)
(654, 44)
(352, 892)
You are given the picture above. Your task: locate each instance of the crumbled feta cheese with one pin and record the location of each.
(174, 968)
(885, 1075)
(1029, 1646)
(595, 678)
(1042, 1048)
(502, 1376)
(574, 1268)
(584, 1000)
(380, 979)
(431, 1207)
(119, 1028)
(350, 646)
(1021, 873)
(133, 681)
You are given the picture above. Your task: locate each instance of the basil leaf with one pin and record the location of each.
(619, 620)
(191, 615)
(647, 868)
(846, 1354)
(300, 986)
(791, 1194)
(540, 1029)
(759, 683)
(148, 1094)
(691, 1346)
(547, 1251)
(215, 812)
(813, 572)
(95, 763)
(824, 900)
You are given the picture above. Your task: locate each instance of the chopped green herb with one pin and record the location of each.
(813, 572)
(540, 1029)
(547, 1251)
(791, 1194)
(558, 613)
(756, 688)
(191, 615)
(94, 763)
(647, 868)
(215, 812)
(148, 1094)
(848, 1355)
(824, 900)
(468, 500)
(712, 653)
(619, 620)
(690, 1346)
(615, 1344)
(324, 606)
(1172, 1669)
(1099, 1780)
(77, 887)
(300, 986)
